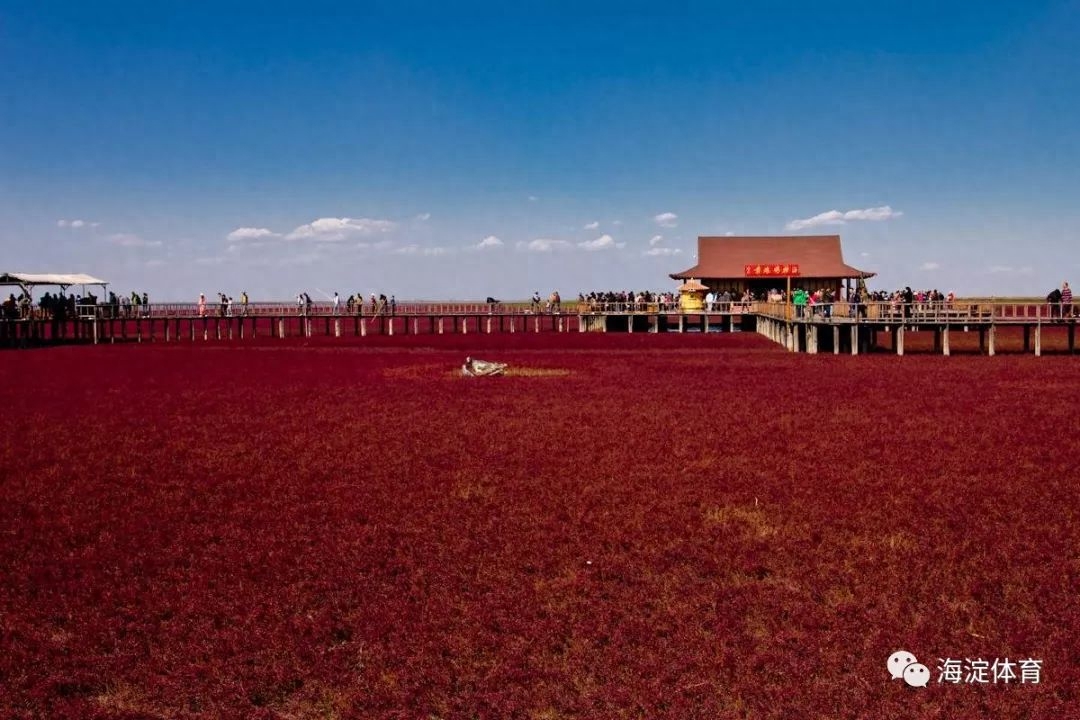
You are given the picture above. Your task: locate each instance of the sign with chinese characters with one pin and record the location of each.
(773, 270)
(980, 671)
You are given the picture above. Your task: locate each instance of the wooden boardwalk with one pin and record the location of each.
(844, 328)
(839, 328)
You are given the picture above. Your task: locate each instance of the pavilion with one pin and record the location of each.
(763, 263)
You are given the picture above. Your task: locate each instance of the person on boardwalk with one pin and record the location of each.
(1066, 300)
(202, 305)
(337, 303)
(1053, 299)
(393, 305)
(244, 303)
(799, 298)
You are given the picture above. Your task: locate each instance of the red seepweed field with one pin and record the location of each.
(627, 526)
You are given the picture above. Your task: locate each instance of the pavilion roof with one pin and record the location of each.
(725, 257)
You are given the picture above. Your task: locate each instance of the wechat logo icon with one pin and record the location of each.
(903, 664)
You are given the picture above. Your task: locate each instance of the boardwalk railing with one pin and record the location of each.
(916, 313)
(959, 311)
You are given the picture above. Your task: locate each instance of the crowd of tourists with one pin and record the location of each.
(60, 306)
(376, 305)
(627, 300)
(226, 306)
(352, 305)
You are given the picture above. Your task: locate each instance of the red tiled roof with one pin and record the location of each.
(818, 256)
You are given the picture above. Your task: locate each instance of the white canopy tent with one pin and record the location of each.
(63, 280)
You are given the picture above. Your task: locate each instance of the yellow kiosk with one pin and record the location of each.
(692, 296)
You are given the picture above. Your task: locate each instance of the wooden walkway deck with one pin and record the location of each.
(839, 328)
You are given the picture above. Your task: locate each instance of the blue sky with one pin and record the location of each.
(440, 151)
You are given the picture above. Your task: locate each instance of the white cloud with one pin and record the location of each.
(154, 263)
(667, 219)
(338, 229)
(380, 245)
(417, 250)
(616, 223)
(729, 233)
(76, 224)
(832, 217)
(216, 260)
(132, 241)
(835, 217)
(864, 254)
(656, 240)
(533, 198)
(930, 266)
(663, 251)
(593, 225)
(604, 242)
(423, 217)
(489, 242)
(250, 233)
(542, 245)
